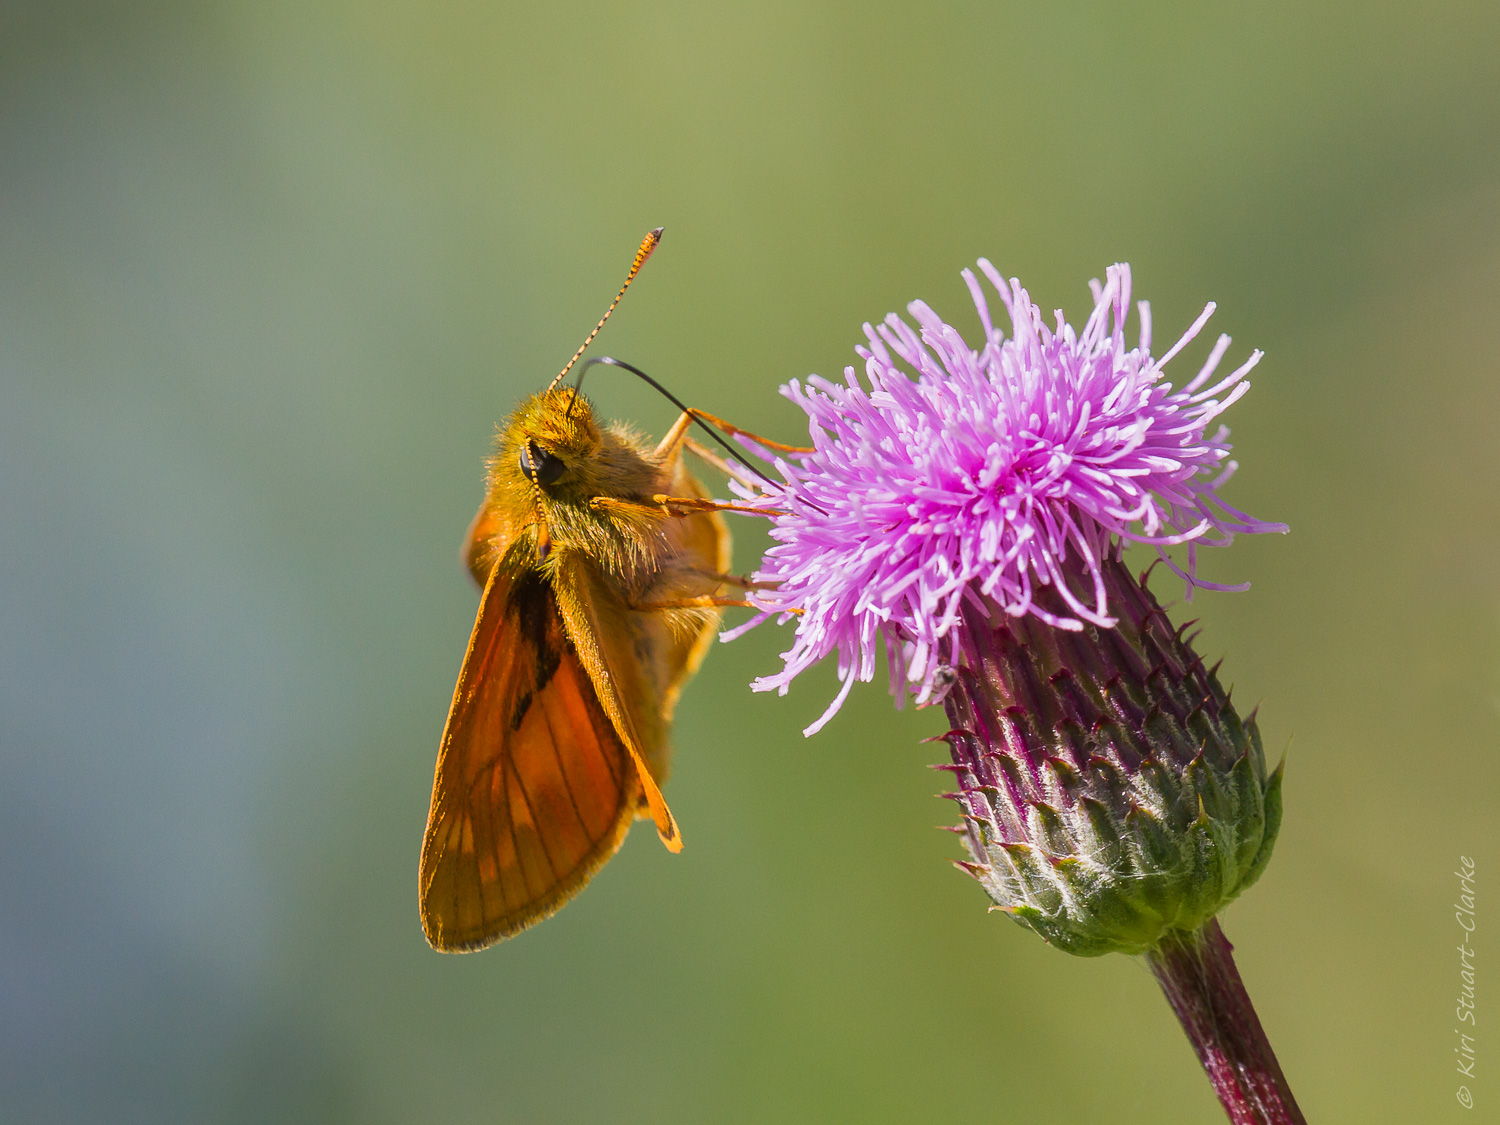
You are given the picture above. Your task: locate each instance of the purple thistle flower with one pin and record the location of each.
(989, 476)
(972, 518)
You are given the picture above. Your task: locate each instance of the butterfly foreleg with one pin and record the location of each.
(706, 417)
(676, 438)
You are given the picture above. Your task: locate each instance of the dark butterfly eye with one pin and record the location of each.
(537, 463)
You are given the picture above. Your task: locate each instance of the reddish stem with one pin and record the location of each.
(1197, 973)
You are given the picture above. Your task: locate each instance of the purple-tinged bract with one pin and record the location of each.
(982, 476)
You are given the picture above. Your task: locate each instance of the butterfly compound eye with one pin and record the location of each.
(537, 462)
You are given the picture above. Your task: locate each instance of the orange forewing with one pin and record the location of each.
(534, 787)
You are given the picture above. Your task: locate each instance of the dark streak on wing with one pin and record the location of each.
(531, 604)
(523, 704)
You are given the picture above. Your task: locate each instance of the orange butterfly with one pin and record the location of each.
(602, 561)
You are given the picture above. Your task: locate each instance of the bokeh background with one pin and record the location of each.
(271, 272)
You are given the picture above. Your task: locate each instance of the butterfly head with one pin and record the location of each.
(553, 463)
(552, 448)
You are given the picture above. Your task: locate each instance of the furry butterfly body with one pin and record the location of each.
(601, 559)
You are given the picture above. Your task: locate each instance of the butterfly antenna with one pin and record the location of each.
(648, 244)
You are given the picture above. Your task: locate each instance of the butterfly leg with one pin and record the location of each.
(737, 580)
(728, 468)
(709, 601)
(701, 601)
(688, 581)
(677, 435)
(690, 505)
(705, 416)
(672, 441)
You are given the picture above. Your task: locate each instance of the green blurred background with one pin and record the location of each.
(271, 272)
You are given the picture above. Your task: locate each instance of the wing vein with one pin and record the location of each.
(568, 785)
(531, 815)
(568, 788)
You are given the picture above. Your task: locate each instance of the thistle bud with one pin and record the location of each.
(1108, 790)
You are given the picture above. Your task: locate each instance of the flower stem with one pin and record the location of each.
(1198, 975)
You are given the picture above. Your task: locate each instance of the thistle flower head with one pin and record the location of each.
(988, 475)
